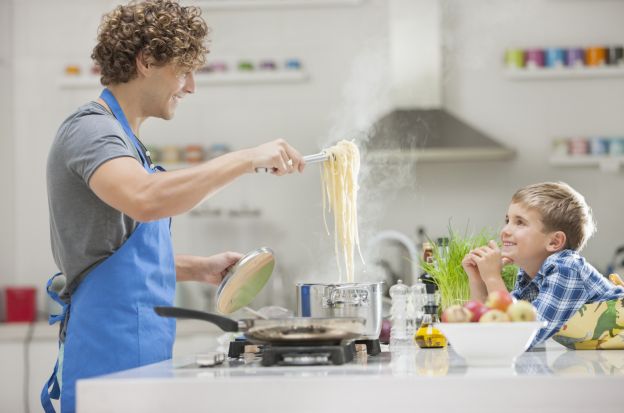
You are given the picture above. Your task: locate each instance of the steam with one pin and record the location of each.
(365, 99)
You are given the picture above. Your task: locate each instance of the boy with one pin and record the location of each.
(546, 226)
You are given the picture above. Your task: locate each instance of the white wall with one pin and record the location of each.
(528, 115)
(344, 50)
(7, 158)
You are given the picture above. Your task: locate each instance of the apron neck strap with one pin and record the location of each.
(108, 97)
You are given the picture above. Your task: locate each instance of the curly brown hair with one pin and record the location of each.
(162, 30)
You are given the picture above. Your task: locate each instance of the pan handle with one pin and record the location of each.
(224, 323)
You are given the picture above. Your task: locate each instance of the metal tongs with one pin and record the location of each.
(315, 158)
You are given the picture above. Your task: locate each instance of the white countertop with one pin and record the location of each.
(550, 379)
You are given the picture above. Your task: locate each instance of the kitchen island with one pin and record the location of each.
(548, 379)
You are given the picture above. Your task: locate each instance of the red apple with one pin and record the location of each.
(477, 308)
(456, 314)
(522, 311)
(494, 316)
(499, 300)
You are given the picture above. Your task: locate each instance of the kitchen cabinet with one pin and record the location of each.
(28, 353)
(546, 380)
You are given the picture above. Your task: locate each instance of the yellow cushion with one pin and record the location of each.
(596, 326)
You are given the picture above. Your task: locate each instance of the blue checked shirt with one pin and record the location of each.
(562, 285)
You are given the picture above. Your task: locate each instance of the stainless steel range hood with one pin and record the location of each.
(419, 127)
(431, 135)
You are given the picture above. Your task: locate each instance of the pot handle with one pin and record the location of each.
(224, 323)
(360, 296)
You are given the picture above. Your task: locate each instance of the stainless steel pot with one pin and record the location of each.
(343, 300)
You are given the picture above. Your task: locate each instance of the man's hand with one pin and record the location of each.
(210, 270)
(278, 157)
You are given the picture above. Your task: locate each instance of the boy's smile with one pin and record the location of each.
(523, 238)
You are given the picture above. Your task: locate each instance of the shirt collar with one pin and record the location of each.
(547, 266)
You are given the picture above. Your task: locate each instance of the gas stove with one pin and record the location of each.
(303, 354)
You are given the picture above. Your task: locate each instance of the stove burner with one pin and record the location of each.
(307, 355)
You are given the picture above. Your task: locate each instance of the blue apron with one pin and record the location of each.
(110, 324)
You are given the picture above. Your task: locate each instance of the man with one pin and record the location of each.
(110, 206)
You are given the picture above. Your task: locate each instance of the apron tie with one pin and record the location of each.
(52, 388)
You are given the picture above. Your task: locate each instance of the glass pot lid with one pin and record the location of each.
(245, 280)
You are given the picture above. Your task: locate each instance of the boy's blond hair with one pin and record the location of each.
(562, 209)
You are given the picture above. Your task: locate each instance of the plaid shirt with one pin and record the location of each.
(562, 285)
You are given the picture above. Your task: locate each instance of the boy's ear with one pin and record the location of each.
(557, 241)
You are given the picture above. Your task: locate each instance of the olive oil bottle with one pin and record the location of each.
(427, 336)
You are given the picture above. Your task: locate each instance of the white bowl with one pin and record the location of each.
(490, 344)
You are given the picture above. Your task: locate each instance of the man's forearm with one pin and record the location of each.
(176, 192)
(186, 267)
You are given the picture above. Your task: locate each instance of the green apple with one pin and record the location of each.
(494, 316)
(522, 311)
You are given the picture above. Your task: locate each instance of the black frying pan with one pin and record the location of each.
(283, 330)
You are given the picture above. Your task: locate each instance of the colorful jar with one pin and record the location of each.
(616, 146)
(170, 154)
(534, 58)
(560, 147)
(578, 146)
(245, 66)
(514, 58)
(267, 65)
(575, 57)
(599, 146)
(555, 57)
(193, 153)
(595, 56)
(293, 64)
(615, 56)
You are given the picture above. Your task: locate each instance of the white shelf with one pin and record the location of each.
(564, 73)
(604, 162)
(260, 4)
(204, 79)
(441, 155)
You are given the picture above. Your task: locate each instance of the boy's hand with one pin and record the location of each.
(488, 260)
(478, 289)
(470, 266)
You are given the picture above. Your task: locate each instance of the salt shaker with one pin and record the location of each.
(398, 312)
(417, 299)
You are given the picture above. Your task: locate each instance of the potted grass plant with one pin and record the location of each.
(448, 273)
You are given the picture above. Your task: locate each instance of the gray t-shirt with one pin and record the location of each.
(84, 230)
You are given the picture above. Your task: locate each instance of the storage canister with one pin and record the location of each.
(575, 57)
(615, 56)
(514, 58)
(595, 56)
(616, 146)
(578, 146)
(599, 145)
(555, 57)
(534, 58)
